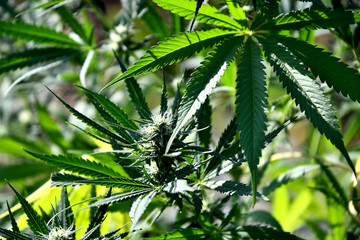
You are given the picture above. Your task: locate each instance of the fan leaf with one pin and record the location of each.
(204, 80)
(77, 164)
(311, 18)
(111, 113)
(35, 222)
(251, 105)
(20, 30)
(306, 92)
(336, 74)
(32, 57)
(90, 122)
(173, 50)
(207, 13)
(13, 235)
(138, 99)
(126, 183)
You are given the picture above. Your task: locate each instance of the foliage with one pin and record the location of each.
(138, 159)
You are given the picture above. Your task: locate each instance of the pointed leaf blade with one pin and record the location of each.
(251, 104)
(310, 18)
(31, 57)
(173, 50)
(307, 93)
(35, 222)
(204, 80)
(335, 73)
(77, 164)
(232, 188)
(35, 33)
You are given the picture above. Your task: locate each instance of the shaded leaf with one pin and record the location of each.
(258, 232)
(32, 57)
(232, 188)
(13, 235)
(251, 105)
(310, 18)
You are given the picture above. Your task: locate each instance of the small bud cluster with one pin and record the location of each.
(58, 233)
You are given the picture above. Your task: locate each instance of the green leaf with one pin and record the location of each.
(189, 234)
(173, 50)
(204, 124)
(111, 113)
(69, 18)
(77, 164)
(139, 206)
(97, 218)
(125, 183)
(251, 105)
(32, 57)
(89, 122)
(260, 216)
(35, 222)
(224, 142)
(235, 10)
(20, 30)
(310, 18)
(306, 92)
(15, 227)
(67, 213)
(258, 232)
(204, 80)
(116, 112)
(207, 13)
(336, 74)
(13, 235)
(197, 200)
(118, 198)
(232, 188)
(138, 99)
(288, 176)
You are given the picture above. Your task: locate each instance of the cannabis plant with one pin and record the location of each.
(142, 167)
(249, 41)
(60, 226)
